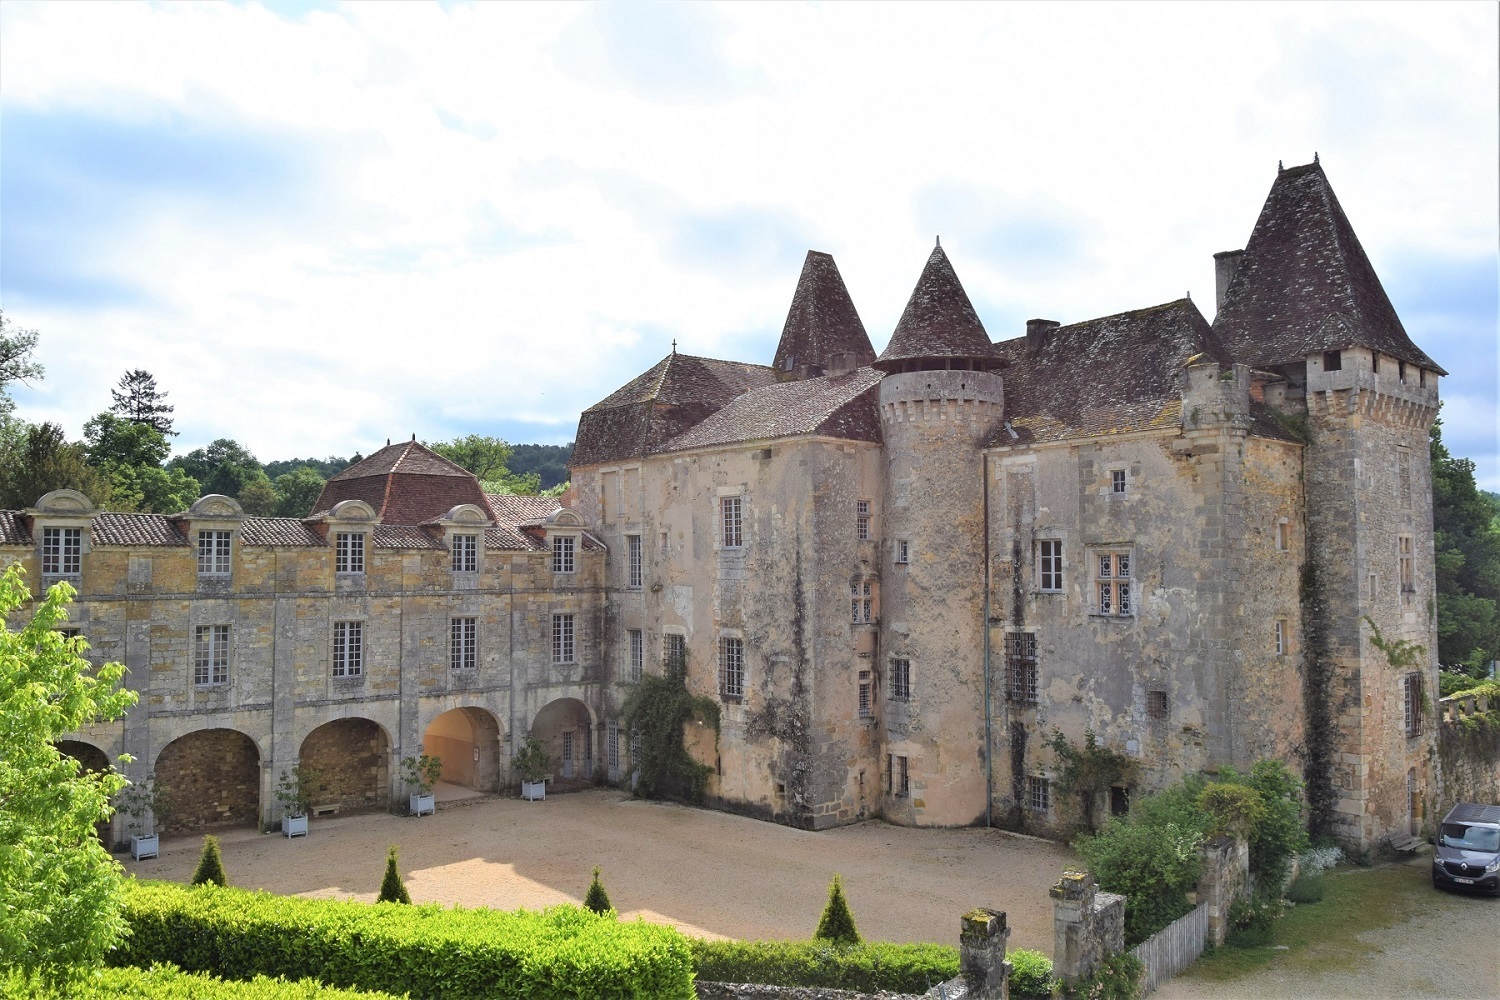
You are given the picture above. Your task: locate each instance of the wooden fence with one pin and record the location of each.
(1173, 948)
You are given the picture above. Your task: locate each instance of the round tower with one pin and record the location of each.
(940, 398)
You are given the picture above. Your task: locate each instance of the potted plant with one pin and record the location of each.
(294, 792)
(532, 762)
(145, 804)
(423, 770)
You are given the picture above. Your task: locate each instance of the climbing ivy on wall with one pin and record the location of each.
(655, 711)
(1089, 771)
(1317, 683)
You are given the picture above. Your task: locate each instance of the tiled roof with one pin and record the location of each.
(112, 528)
(402, 536)
(678, 392)
(510, 513)
(277, 531)
(842, 406)
(405, 457)
(939, 320)
(13, 528)
(406, 484)
(1104, 376)
(1304, 284)
(822, 321)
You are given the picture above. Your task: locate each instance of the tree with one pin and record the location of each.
(326, 468)
(297, 491)
(486, 457)
(140, 402)
(392, 888)
(548, 461)
(1467, 557)
(129, 456)
(16, 362)
(837, 923)
(151, 490)
(258, 496)
(210, 864)
(43, 461)
(596, 898)
(224, 467)
(60, 891)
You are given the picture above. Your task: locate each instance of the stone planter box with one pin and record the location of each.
(423, 802)
(294, 826)
(533, 790)
(145, 847)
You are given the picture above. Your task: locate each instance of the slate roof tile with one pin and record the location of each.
(841, 406)
(14, 529)
(939, 320)
(822, 322)
(274, 532)
(112, 528)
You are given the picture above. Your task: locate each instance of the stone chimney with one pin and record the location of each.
(1225, 264)
(1037, 331)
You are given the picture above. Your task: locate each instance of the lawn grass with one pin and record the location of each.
(1324, 935)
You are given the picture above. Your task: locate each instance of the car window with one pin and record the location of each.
(1471, 838)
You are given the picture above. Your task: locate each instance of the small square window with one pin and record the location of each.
(1156, 705)
(1117, 480)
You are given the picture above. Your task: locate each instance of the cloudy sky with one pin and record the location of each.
(324, 225)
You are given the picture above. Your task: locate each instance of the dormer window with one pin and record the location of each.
(349, 552)
(213, 553)
(563, 547)
(62, 552)
(465, 553)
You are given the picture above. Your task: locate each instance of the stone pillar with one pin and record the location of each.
(1087, 925)
(1226, 877)
(981, 954)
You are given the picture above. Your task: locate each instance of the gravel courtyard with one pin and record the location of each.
(707, 873)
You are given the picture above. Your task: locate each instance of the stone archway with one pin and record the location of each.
(91, 760)
(564, 727)
(468, 741)
(350, 760)
(212, 779)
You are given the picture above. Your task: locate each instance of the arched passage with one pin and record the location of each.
(91, 760)
(350, 760)
(468, 741)
(211, 778)
(563, 727)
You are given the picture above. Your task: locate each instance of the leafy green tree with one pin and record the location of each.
(597, 899)
(326, 468)
(1467, 551)
(548, 461)
(130, 455)
(210, 864)
(224, 467)
(1153, 867)
(16, 361)
(486, 457)
(139, 401)
(258, 495)
(837, 922)
(114, 440)
(392, 888)
(151, 489)
(297, 491)
(60, 891)
(43, 461)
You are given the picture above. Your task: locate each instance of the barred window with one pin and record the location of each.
(1038, 794)
(633, 561)
(463, 644)
(1020, 667)
(732, 667)
(562, 553)
(1112, 583)
(62, 551)
(674, 654)
(1156, 705)
(562, 639)
(897, 776)
(348, 648)
(862, 520)
(637, 653)
(349, 552)
(1050, 565)
(861, 601)
(1412, 704)
(210, 655)
(901, 679)
(729, 517)
(465, 553)
(213, 553)
(865, 708)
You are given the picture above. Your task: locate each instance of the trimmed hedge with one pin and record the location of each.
(864, 968)
(564, 952)
(1031, 974)
(167, 982)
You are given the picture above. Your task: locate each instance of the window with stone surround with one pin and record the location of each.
(866, 708)
(633, 566)
(862, 520)
(637, 646)
(1412, 704)
(1404, 567)
(731, 667)
(903, 551)
(1020, 667)
(897, 775)
(463, 643)
(563, 547)
(1112, 593)
(465, 553)
(349, 552)
(62, 553)
(1157, 706)
(1049, 565)
(674, 655)
(563, 650)
(862, 601)
(210, 655)
(348, 648)
(612, 746)
(1038, 794)
(213, 553)
(900, 687)
(1333, 361)
(1281, 637)
(1283, 535)
(1116, 481)
(730, 523)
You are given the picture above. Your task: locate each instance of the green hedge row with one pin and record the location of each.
(167, 982)
(429, 951)
(864, 968)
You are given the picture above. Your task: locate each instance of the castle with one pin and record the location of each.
(898, 575)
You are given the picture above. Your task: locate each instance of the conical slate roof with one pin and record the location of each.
(1304, 284)
(822, 321)
(939, 321)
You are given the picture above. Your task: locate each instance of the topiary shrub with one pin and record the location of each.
(837, 923)
(210, 865)
(392, 888)
(597, 899)
(1031, 974)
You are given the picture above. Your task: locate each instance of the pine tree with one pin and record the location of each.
(139, 401)
(837, 923)
(210, 864)
(597, 899)
(392, 889)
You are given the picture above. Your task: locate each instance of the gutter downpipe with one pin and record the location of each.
(989, 791)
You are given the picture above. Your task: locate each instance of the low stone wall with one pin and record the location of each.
(1225, 878)
(1468, 760)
